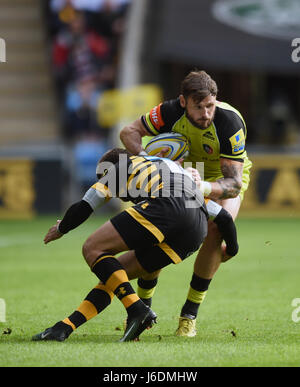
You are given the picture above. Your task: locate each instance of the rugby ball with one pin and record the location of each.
(177, 144)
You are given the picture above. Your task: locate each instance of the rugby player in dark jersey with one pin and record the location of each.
(166, 224)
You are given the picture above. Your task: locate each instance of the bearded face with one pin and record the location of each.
(200, 114)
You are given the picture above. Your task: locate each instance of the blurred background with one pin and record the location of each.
(76, 71)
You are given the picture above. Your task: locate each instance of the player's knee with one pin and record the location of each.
(89, 252)
(212, 228)
(85, 252)
(213, 232)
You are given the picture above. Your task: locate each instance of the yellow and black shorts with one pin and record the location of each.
(162, 231)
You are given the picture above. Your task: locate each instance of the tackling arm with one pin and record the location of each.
(219, 215)
(226, 226)
(131, 136)
(76, 214)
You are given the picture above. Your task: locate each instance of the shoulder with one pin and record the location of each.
(228, 118)
(163, 116)
(171, 110)
(231, 129)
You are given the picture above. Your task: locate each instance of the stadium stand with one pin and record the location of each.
(49, 119)
(27, 101)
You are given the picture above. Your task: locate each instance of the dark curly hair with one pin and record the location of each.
(198, 85)
(112, 156)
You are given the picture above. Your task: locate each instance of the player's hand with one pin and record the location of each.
(204, 186)
(162, 153)
(195, 175)
(179, 161)
(225, 256)
(53, 233)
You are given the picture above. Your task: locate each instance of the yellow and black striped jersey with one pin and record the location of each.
(225, 137)
(137, 178)
(166, 199)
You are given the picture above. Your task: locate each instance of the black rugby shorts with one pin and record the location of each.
(162, 231)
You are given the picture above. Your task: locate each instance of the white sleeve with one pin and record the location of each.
(213, 209)
(94, 198)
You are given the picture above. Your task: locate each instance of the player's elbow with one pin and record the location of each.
(125, 132)
(232, 250)
(237, 187)
(227, 229)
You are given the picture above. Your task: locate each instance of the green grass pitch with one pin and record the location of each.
(246, 319)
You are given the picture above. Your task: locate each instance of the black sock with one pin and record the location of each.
(110, 271)
(94, 303)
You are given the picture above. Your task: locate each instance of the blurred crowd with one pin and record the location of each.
(84, 41)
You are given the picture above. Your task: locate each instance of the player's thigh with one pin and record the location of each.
(131, 265)
(232, 205)
(104, 239)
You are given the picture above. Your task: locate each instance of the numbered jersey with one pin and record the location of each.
(137, 178)
(225, 137)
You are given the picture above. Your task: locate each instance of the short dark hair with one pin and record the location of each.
(112, 155)
(198, 85)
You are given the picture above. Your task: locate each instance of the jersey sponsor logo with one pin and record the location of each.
(208, 149)
(156, 118)
(238, 142)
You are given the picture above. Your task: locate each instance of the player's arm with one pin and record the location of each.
(221, 217)
(95, 197)
(131, 136)
(227, 187)
(74, 216)
(226, 226)
(78, 212)
(230, 185)
(159, 120)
